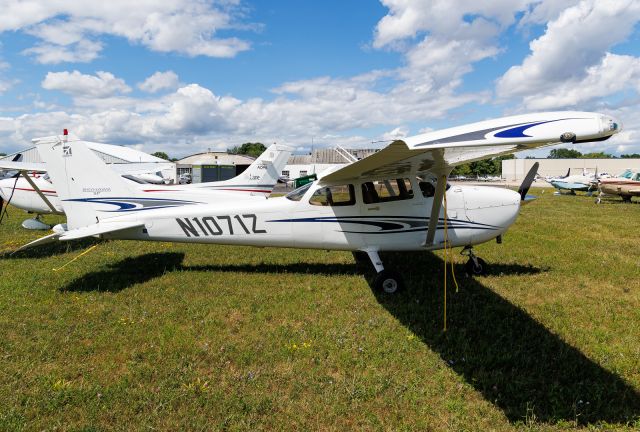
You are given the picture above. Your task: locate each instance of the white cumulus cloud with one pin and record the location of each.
(70, 31)
(102, 84)
(577, 40)
(160, 81)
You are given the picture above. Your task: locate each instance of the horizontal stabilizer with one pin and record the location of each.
(39, 242)
(99, 228)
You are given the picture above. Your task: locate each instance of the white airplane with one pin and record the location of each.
(372, 205)
(35, 193)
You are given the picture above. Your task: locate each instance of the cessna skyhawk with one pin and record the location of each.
(397, 199)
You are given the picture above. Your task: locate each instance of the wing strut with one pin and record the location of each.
(35, 188)
(434, 219)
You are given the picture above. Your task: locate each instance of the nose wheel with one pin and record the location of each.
(475, 266)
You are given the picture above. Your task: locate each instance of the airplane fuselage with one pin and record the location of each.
(475, 215)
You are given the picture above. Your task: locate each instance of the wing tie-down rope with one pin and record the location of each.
(448, 251)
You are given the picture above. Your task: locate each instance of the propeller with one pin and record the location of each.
(526, 183)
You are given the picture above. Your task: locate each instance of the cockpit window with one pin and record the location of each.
(626, 174)
(428, 186)
(333, 196)
(297, 194)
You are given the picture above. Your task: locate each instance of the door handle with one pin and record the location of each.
(373, 208)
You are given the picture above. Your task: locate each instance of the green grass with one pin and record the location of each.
(136, 336)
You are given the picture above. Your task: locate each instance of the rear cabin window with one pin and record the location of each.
(387, 190)
(334, 196)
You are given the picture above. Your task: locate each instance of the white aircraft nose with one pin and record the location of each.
(494, 209)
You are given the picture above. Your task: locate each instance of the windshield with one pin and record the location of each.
(297, 194)
(626, 174)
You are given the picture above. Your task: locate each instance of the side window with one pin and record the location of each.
(387, 190)
(334, 196)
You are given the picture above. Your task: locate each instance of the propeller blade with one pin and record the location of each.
(528, 180)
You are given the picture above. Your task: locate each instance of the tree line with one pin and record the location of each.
(563, 153)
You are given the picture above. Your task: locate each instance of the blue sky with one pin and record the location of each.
(186, 75)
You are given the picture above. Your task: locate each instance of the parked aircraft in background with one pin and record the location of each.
(35, 193)
(371, 205)
(585, 182)
(626, 185)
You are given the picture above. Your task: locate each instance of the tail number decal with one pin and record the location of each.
(220, 225)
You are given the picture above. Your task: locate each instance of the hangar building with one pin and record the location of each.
(212, 166)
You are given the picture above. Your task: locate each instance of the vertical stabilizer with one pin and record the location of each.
(83, 182)
(260, 177)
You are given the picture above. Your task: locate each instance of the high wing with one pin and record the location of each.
(22, 166)
(440, 151)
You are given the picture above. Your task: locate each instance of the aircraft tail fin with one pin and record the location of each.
(260, 177)
(88, 190)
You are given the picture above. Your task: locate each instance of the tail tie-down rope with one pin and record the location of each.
(82, 254)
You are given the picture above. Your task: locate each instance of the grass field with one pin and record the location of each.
(159, 336)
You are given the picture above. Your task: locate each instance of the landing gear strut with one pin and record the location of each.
(387, 281)
(475, 266)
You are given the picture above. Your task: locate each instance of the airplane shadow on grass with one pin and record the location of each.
(510, 358)
(140, 269)
(126, 273)
(504, 353)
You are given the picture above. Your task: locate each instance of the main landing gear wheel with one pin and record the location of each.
(388, 282)
(477, 268)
